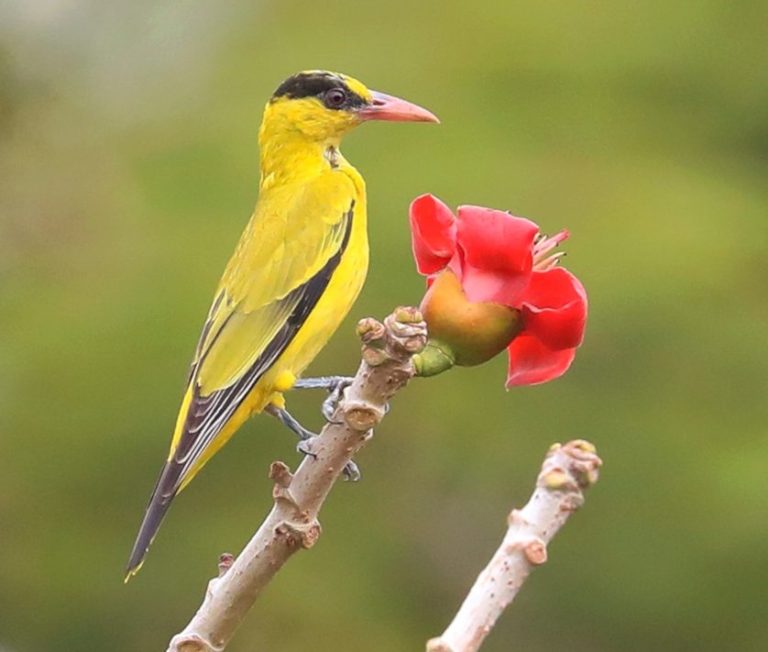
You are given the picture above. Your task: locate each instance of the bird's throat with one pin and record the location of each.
(289, 157)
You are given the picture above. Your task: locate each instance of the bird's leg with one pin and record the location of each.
(351, 470)
(290, 422)
(322, 382)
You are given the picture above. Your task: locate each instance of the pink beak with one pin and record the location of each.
(387, 107)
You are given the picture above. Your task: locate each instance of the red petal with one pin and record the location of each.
(497, 254)
(433, 233)
(532, 363)
(554, 307)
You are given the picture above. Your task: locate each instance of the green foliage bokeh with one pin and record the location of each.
(128, 166)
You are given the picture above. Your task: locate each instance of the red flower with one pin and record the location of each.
(493, 284)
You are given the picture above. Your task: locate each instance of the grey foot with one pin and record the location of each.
(336, 393)
(335, 385)
(351, 470)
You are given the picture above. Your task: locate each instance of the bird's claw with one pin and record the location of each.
(335, 386)
(335, 396)
(352, 472)
(305, 447)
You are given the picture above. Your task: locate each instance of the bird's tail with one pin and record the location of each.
(164, 492)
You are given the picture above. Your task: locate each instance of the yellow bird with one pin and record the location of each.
(296, 271)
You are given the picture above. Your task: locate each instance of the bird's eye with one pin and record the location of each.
(335, 98)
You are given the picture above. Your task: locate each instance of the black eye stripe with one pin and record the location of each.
(317, 84)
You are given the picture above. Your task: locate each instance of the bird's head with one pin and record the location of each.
(322, 106)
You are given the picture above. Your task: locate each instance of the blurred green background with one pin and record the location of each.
(128, 166)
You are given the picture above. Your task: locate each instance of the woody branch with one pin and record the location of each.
(566, 471)
(292, 524)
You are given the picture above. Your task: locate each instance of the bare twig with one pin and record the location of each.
(292, 524)
(566, 471)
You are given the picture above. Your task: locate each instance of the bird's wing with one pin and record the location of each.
(278, 273)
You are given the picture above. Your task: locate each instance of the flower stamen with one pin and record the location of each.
(543, 245)
(549, 263)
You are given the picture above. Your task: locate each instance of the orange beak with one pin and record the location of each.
(387, 107)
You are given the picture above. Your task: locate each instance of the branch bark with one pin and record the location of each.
(292, 523)
(566, 471)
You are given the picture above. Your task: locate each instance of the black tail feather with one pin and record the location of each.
(164, 492)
